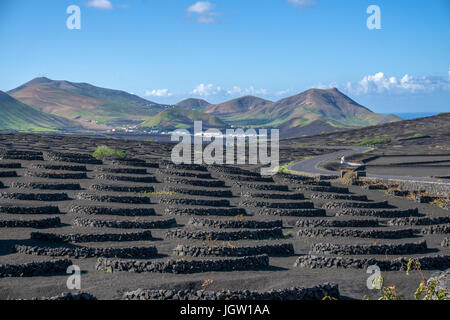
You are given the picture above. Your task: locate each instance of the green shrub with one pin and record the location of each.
(374, 141)
(107, 152)
(416, 136)
(426, 291)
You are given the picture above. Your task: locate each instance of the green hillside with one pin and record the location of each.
(176, 118)
(238, 106)
(191, 103)
(18, 116)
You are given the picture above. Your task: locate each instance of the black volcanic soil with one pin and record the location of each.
(432, 134)
(111, 285)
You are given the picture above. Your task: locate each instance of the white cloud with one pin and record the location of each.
(205, 90)
(302, 3)
(204, 12)
(200, 7)
(158, 93)
(100, 4)
(379, 83)
(246, 91)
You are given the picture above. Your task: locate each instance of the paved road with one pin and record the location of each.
(311, 165)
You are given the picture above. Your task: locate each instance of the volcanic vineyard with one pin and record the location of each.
(141, 227)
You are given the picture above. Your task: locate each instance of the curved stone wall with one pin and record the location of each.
(275, 250)
(379, 249)
(277, 196)
(362, 205)
(380, 213)
(298, 293)
(147, 252)
(309, 223)
(275, 233)
(235, 224)
(46, 186)
(35, 196)
(194, 202)
(376, 234)
(183, 266)
(110, 198)
(33, 269)
(225, 212)
(398, 264)
(292, 212)
(36, 224)
(200, 192)
(117, 188)
(82, 237)
(418, 221)
(147, 179)
(13, 209)
(277, 205)
(97, 210)
(124, 224)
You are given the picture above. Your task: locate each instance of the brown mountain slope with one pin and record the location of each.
(239, 105)
(291, 130)
(82, 101)
(330, 106)
(192, 103)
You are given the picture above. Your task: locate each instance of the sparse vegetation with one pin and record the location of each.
(425, 291)
(415, 136)
(107, 152)
(207, 283)
(328, 298)
(428, 291)
(387, 292)
(373, 141)
(349, 178)
(288, 234)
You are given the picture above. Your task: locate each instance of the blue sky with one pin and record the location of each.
(167, 50)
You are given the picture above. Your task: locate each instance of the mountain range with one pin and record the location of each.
(85, 106)
(311, 112)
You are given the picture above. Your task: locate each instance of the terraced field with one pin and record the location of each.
(196, 231)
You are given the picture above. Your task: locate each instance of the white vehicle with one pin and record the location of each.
(350, 164)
